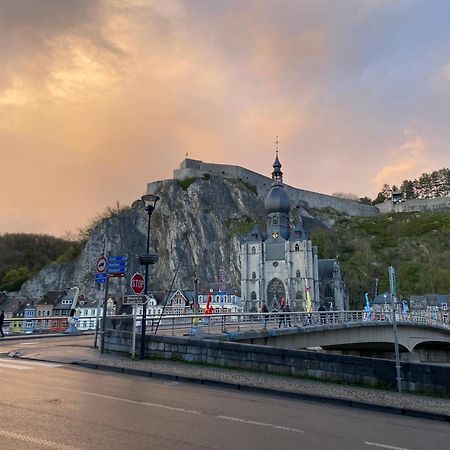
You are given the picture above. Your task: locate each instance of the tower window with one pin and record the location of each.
(297, 274)
(298, 295)
(275, 220)
(253, 295)
(297, 247)
(253, 275)
(253, 250)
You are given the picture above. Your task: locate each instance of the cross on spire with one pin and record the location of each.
(276, 144)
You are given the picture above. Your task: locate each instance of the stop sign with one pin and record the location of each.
(137, 283)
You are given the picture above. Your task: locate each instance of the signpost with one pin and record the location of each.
(135, 300)
(137, 283)
(393, 290)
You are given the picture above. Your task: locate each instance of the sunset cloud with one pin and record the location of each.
(99, 97)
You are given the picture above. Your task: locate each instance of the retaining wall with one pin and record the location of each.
(321, 366)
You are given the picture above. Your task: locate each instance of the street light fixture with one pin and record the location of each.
(146, 260)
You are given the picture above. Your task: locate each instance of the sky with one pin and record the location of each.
(100, 97)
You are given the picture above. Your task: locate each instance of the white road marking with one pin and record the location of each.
(30, 362)
(28, 343)
(190, 411)
(37, 441)
(391, 447)
(7, 366)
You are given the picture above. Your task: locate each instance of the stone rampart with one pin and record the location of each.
(190, 168)
(416, 204)
(321, 366)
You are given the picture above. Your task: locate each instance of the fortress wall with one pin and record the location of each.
(417, 204)
(190, 168)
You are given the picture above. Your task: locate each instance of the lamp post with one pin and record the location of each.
(146, 260)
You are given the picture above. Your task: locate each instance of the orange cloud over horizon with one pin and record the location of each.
(98, 98)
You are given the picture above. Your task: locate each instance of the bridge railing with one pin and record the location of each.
(218, 323)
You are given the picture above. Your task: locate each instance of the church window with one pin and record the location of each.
(253, 295)
(275, 220)
(253, 250)
(297, 247)
(297, 274)
(253, 275)
(298, 295)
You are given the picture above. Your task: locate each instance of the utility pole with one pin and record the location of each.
(392, 286)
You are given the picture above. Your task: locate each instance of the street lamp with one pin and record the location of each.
(149, 258)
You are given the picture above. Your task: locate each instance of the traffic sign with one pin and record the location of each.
(121, 259)
(136, 299)
(100, 278)
(116, 274)
(115, 267)
(137, 283)
(102, 264)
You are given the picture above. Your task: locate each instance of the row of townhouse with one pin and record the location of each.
(50, 313)
(419, 308)
(27, 315)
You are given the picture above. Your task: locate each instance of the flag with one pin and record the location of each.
(209, 309)
(308, 300)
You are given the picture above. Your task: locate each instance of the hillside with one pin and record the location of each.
(197, 228)
(416, 244)
(24, 255)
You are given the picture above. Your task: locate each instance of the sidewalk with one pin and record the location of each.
(360, 397)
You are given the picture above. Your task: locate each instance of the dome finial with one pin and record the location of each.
(277, 174)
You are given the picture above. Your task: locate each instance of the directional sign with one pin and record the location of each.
(136, 299)
(100, 278)
(121, 259)
(117, 268)
(137, 283)
(101, 264)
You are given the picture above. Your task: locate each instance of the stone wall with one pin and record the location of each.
(416, 204)
(191, 168)
(321, 366)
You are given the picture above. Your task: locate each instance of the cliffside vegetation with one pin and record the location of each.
(23, 255)
(417, 245)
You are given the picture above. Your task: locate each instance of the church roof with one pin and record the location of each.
(298, 233)
(277, 200)
(326, 267)
(255, 235)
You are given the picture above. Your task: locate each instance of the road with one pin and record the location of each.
(55, 406)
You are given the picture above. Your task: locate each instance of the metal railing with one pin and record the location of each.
(223, 323)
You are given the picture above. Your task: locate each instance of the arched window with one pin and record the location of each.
(297, 274)
(253, 275)
(253, 250)
(253, 295)
(298, 295)
(269, 220)
(275, 220)
(297, 247)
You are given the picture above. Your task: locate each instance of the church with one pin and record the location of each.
(280, 267)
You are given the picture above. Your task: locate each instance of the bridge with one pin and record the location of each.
(354, 332)
(420, 337)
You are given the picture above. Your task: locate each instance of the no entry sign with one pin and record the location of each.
(137, 283)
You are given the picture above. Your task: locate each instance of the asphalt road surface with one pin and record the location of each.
(52, 406)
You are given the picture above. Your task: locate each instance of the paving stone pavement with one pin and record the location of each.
(85, 354)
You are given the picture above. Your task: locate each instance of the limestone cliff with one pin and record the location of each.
(207, 218)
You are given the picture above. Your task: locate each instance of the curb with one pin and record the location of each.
(270, 391)
(25, 337)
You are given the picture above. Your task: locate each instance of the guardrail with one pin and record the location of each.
(221, 323)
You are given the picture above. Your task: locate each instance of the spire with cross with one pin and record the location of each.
(277, 174)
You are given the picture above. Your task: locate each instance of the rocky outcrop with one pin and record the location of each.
(197, 230)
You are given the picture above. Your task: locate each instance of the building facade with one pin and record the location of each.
(279, 267)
